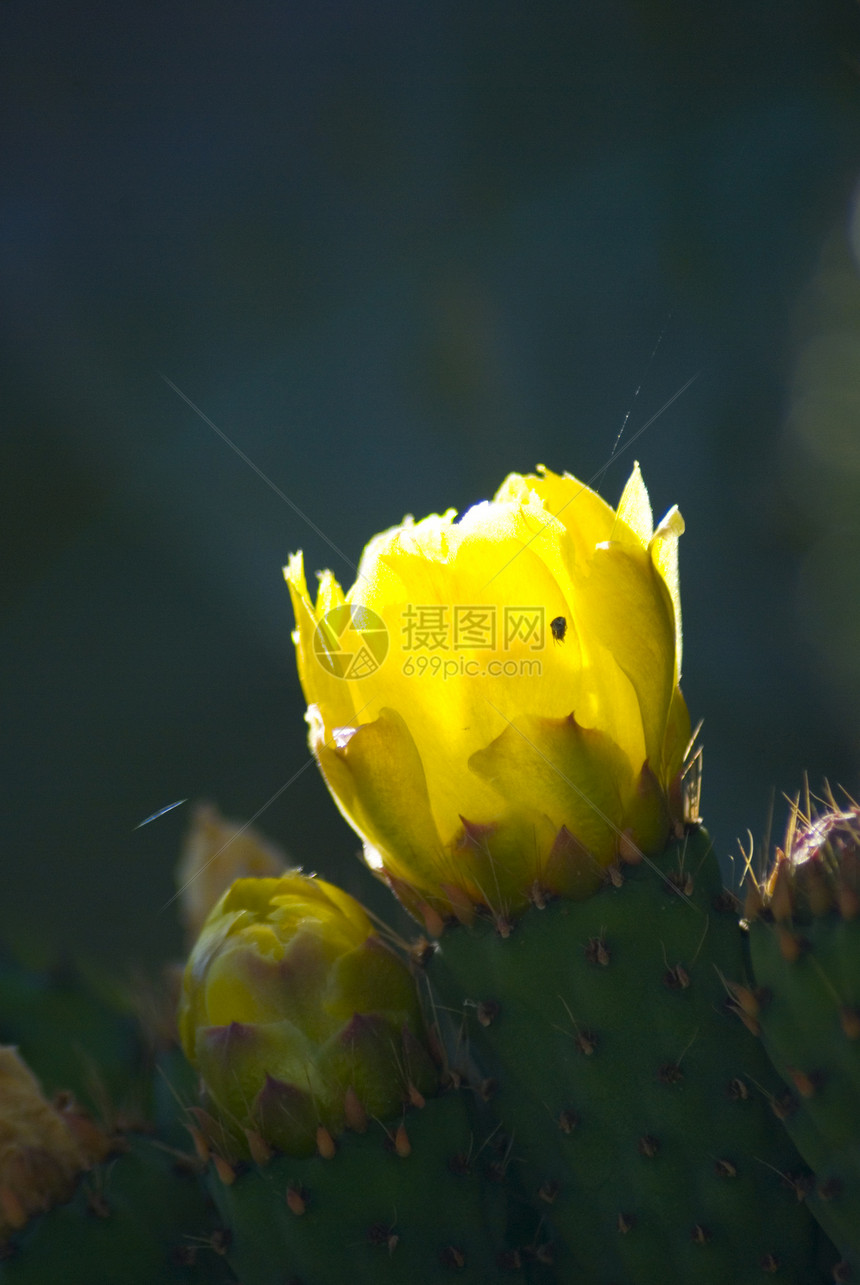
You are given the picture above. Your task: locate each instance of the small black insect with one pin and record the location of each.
(559, 628)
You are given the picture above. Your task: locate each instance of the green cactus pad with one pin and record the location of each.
(369, 1215)
(638, 1107)
(75, 1032)
(809, 1007)
(137, 1218)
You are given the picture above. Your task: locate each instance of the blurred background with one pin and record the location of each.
(394, 252)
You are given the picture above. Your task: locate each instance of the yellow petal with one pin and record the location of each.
(378, 781)
(319, 682)
(586, 517)
(634, 507)
(624, 605)
(678, 733)
(576, 776)
(664, 552)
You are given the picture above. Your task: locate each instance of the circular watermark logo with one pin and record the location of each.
(351, 642)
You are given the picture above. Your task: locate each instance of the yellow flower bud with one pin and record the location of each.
(495, 703)
(215, 852)
(293, 1008)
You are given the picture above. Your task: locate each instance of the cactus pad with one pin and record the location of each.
(638, 1107)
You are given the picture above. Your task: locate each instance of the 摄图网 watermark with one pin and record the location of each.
(440, 640)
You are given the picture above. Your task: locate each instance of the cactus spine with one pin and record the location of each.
(804, 950)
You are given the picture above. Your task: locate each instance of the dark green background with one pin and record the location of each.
(396, 251)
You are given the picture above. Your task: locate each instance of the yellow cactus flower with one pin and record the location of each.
(495, 703)
(292, 1007)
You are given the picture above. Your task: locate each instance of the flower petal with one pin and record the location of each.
(319, 682)
(634, 507)
(625, 605)
(577, 777)
(664, 552)
(378, 781)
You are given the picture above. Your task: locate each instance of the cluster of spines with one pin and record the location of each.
(803, 1000)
